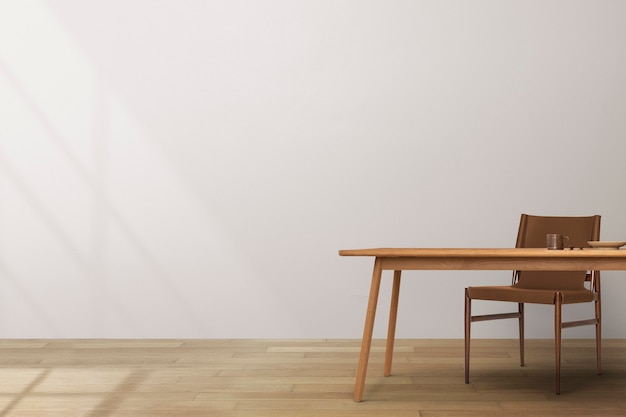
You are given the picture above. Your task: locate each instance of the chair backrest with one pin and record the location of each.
(532, 234)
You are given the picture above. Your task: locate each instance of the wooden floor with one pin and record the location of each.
(246, 378)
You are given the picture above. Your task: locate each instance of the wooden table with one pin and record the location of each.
(400, 259)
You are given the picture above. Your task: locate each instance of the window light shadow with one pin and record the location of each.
(25, 392)
(111, 212)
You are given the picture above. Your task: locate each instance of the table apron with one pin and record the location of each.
(502, 263)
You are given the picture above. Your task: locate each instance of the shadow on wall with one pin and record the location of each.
(115, 232)
(88, 266)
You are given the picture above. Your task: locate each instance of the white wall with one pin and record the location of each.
(190, 168)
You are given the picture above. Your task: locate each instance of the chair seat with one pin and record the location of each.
(523, 295)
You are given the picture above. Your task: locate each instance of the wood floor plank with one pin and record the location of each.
(301, 378)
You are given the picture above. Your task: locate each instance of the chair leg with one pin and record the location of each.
(598, 337)
(558, 302)
(468, 324)
(521, 333)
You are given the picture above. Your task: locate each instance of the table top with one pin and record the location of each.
(484, 252)
(538, 259)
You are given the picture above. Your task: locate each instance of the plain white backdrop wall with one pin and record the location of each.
(190, 168)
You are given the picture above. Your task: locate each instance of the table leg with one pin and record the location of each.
(368, 331)
(393, 314)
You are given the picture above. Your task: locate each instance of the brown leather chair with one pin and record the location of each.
(545, 287)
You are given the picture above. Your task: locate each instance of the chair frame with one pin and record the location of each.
(592, 277)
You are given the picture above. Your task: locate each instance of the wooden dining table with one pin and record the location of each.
(402, 259)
